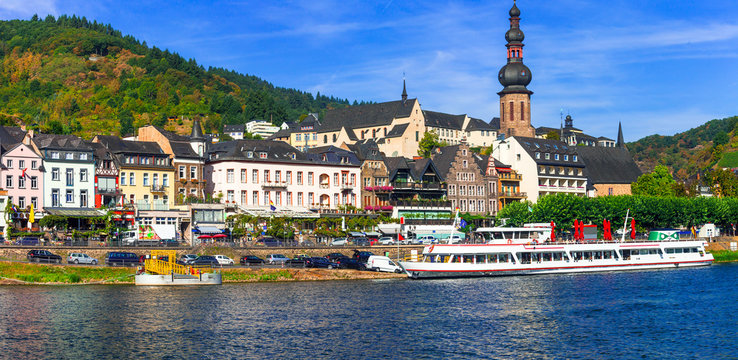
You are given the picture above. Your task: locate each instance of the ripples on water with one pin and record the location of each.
(674, 314)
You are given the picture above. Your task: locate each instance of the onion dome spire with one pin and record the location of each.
(515, 76)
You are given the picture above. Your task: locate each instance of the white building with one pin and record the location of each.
(261, 128)
(546, 166)
(254, 174)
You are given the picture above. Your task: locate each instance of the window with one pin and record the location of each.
(298, 137)
(244, 197)
(289, 198)
(69, 156)
(182, 172)
(465, 164)
(165, 180)
(34, 182)
(193, 172)
(278, 198)
(609, 191)
(310, 199)
(55, 197)
(556, 156)
(335, 179)
(55, 174)
(278, 176)
(243, 176)
(231, 196)
(70, 177)
(132, 179)
(310, 178)
(83, 156)
(463, 152)
(8, 181)
(83, 198)
(9, 163)
(566, 157)
(547, 156)
(262, 155)
(22, 202)
(146, 179)
(255, 198)
(34, 202)
(83, 175)
(299, 199)
(574, 158)
(21, 164)
(229, 176)
(70, 196)
(21, 182)
(288, 177)
(266, 197)
(255, 176)
(122, 178)
(266, 176)
(54, 154)
(299, 178)
(155, 181)
(34, 165)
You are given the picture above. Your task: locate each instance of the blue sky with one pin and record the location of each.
(658, 66)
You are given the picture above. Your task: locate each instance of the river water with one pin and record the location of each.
(666, 314)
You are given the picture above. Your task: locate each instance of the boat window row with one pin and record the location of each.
(627, 253)
(537, 257)
(492, 258)
(681, 250)
(593, 255)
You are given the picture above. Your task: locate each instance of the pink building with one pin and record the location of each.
(22, 177)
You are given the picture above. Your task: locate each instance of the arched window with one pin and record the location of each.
(334, 137)
(325, 139)
(385, 131)
(522, 111)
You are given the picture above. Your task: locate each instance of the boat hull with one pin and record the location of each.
(147, 279)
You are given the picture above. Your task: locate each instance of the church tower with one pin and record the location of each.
(515, 76)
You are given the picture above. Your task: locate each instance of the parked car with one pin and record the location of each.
(43, 256)
(361, 241)
(362, 256)
(187, 259)
(319, 262)
(276, 259)
(334, 256)
(81, 258)
(268, 241)
(346, 262)
(205, 260)
(386, 240)
(297, 261)
(251, 260)
(224, 260)
(406, 241)
(382, 263)
(119, 258)
(425, 240)
(455, 239)
(339, 242)
(169, 243)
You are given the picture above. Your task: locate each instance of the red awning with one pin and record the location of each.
(219, 236)
(204, 237)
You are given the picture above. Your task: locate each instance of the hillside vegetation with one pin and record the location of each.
(711, 145)
(74, 76)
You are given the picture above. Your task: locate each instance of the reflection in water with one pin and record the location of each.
(616, 315)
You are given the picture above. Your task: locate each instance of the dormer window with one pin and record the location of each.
(262, 155)
(538, 155)
(547, 156)
(83, 156)
(566, 157)
(249, 154)
(69, 156)
(54, 154)
(463, 152)
(556, 156)
(574, 158)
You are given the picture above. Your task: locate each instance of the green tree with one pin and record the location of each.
(657, 183)
(553, 135)
(53, 127)
(721, 138)
(428, 143)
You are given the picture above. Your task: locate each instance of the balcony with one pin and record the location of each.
(510, 176)
(347, 187)
(109, 192)
(512, 195)
(325, 186)
(274, 185)
(147, 205)
(158, 188)
(379, 189)
(425, 186)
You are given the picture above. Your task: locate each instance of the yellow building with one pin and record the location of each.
(146, 173)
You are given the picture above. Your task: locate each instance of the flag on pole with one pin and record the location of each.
(23, 174)
(271, 206)
(462, 224)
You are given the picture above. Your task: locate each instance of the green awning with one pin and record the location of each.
(74, 212)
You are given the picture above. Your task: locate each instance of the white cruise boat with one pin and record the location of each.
(522, 254)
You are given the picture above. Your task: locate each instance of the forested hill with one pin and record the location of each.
(71, 75)
(713, 144)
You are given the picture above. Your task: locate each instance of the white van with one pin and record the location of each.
(455, 239)
(382, 263)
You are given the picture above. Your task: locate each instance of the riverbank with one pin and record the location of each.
(725, 255)
(14, 273)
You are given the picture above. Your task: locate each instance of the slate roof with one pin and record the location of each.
(478, 125)
(605, 138)
(239, 150)
(10, 136)
(443, 120)
(543, 146)
(101, 151)
(420, 166)
(351, 134)
(234, 128)
(61, 142)
(443, 158)
(333, 155)
(366, 150)
(495, 123)
(416, 168)
(171, 136)
(609, 165)
(395, 164)
(362, 116)
(117, 145)
(281, 134)
(397, 130)
(183, 150)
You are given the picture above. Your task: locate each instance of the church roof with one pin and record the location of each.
(363, 116)
(609, 165)
(443, 120)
